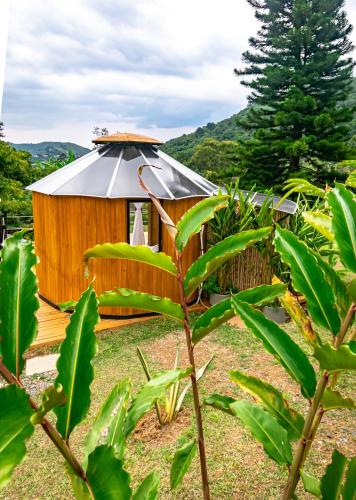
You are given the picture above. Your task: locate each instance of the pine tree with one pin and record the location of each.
(301, 77)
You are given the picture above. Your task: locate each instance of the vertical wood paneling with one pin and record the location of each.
(65, 226)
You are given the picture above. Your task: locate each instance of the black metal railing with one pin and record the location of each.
(9, 224)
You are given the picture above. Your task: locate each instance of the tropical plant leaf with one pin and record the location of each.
(181, 461)
(351, 180)
(333, 360)
(343, 299)
(220, 402)
(349, 490)
(150, 393)
(148, 489)
(68, 306)
(75, 371)
(123, 297)
(15, 429)
(199, 374)
(272, 401)
(321, 222)
(193, 220)
(308, 278)
(297, 185)
(331, 482)
(107, 477)
(51, 397)
(223, 311)
(218, 254)
(265, 429)
(108, 427)
(343, 208)
(277, 342)
(299, 317)
(80, 489)
(332, 399)
(311, 483)
(18, 301)
(138, 253)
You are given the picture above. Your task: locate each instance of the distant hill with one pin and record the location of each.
(181, 148)
(45, 150)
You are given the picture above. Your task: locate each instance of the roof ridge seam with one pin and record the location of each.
(156, 175)
(113, 177)
(159, 152)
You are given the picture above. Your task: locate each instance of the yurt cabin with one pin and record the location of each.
(97, 199)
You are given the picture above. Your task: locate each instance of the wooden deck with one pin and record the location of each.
(52, 324)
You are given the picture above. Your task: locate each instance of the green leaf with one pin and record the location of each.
(106, 475)
(196, 217)
(150, 393)
(266, 430)
(333, 360)
(139, 253)
(123, 297)
(199, 374)
(75, 371)
(51, 397)
(148, 489)
(342, 297)
(18, 301)
(272, 401)
(68, 306)
(15, 429)
(80, 489)
(331, 482)
(321, 222)
(349, 491)
(218, 254)
(220, 402)
(309, 279)
(108, 427)
(351, 180)
(298, 185)
(181, 462)
(343, 208)
(333, 399)
(311, 483)
(223, 311)
(277, 342)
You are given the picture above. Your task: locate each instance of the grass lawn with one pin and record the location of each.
(238, 467)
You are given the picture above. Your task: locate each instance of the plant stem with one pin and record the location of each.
(314, 416)
(51, 432)
(148, 376)
(198, 416)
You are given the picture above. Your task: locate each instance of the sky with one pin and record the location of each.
(155, 67)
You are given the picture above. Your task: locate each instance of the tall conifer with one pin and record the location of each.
(301, 76)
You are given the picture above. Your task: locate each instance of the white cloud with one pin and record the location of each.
(143, 65)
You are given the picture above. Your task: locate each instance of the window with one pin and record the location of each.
(143, 224)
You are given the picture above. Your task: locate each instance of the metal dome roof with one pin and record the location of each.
(111, 172)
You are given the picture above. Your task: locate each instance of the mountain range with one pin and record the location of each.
(42, 151)
(180, 148)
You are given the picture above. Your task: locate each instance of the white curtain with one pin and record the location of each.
(138, 236)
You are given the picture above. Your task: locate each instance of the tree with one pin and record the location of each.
(216, 159)
(301, 78)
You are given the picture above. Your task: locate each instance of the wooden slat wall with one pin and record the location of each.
(65, 226)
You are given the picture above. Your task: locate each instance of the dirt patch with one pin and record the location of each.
(162, 352)
(149, 430)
